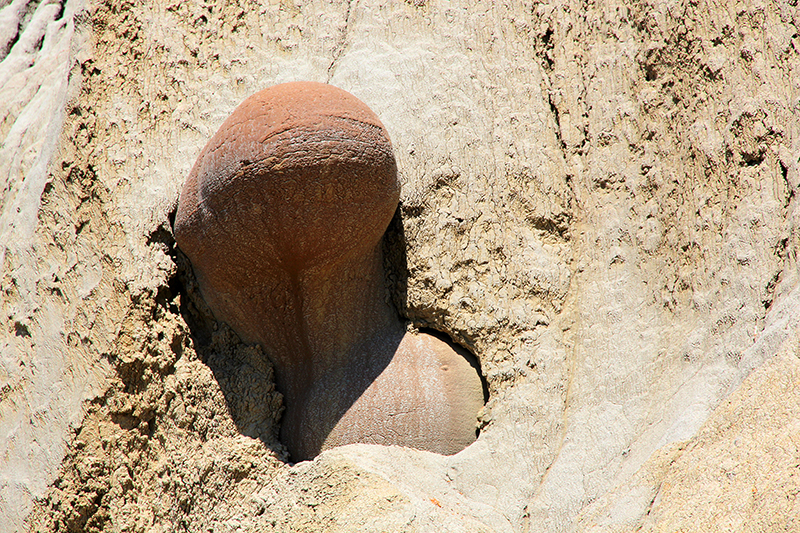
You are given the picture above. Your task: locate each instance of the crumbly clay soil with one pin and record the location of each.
(599, 201)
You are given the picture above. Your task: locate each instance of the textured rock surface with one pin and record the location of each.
(739, 473)
(282, 217)
(599, 200)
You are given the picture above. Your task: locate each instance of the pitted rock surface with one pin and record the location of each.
(599, 200)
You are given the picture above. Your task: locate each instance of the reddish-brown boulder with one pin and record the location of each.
(282, 218)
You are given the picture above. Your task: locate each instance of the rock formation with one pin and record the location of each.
(599, 200)
(282, 217)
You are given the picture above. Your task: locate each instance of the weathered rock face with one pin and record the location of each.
(282, 217)
(598, 200)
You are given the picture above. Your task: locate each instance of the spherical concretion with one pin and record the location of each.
(282, 217)
(427, 397)
(299, 174)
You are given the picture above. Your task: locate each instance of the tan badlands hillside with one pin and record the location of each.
(599, 200)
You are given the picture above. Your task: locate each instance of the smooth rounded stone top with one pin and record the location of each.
(288, 163)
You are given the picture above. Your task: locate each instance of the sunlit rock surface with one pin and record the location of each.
(599, 201)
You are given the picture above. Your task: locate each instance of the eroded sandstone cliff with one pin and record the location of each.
(599, 201)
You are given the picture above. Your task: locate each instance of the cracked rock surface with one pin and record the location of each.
(598, 200)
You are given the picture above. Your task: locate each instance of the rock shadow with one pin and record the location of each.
(396, 269)
(245, 373)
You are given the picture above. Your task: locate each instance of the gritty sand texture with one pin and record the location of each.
(598, 200)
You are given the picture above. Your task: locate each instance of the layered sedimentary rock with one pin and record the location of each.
(599, 201)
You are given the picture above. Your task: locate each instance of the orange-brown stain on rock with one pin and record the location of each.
(282, 218)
